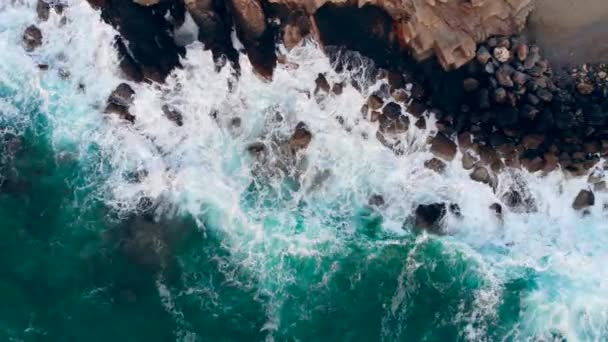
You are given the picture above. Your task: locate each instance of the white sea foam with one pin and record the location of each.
(204, 169)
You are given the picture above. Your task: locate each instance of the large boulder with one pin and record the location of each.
(584, 199)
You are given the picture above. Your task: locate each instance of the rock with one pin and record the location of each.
(483, 55)
(121, 111)
(173, 115)
(481, 174)
(502, 54)
(395, 80)
(416, 108)
(435, 165)
(500, 95)
(532, 59)
(212, 29)
(468, 161)
(532, 141)
(585, 88)
(522, 51)
(32, 38)
(533, 165)
(322, 84)
(146, 2)
(420, 123)
(337, 88)
(503, 76)
(429, 217)
(43, 10)
(507, 117)
(497, 209)
(249, 18)
(443, 147)
(400, 95)
(122, 95)
(544, 95)
(519, 201)
(300, 138)
(483, 99)
(376, 201)
(256, 148)
(374, 102)
(519, 78)
(584, 199)
(470, 84)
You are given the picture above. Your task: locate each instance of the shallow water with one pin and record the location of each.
(276, 254)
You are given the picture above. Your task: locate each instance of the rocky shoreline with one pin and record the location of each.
(494, 96)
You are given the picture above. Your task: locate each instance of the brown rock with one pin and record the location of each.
(584, 199)
(32, 38)
(585, 88)
(249, 17)
(481, 174)
(533, 165)
(443, 147)
(301, 137)
(374, 102)
(522, 51)
(416, 108)
(337, 88)
(532, 141)
(551, 162)
(400, 95)
(435, 165)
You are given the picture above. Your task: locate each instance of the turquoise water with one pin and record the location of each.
(153, 232)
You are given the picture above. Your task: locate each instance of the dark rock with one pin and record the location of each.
(400, 95)
(429, 217)
(533, 165)
(421, 123)
(533, 99)
(173, 115)
(497, 209)
(507, 117)
(122, 95)
(32, 38)
(483, 99)
(337, 88)
(500, 95)
(532, 59)
(527, 112)
(443, 147)
(584, 199)
(532, 141)
(483, 55)
(43, 10)
(256, 148)
(544, 95)
(374, 102)
(470, 84)
(435, 165)
(489, 68)
(518, 200)
(395, 80)
(416, 108)
(300, 138)
(544, 121)
(322, 84)
(376, 201)
(519, 78)
(503, 76)
(392, 111)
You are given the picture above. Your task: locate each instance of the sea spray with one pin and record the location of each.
(283, 253)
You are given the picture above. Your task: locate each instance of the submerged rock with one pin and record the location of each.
(32, 38)
(300, 138)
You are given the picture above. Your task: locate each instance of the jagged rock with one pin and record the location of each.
(122, 95)
(443, 147)
(429, 216)
(448, 29)
(300, 138)
(584, 199)
(32, 38)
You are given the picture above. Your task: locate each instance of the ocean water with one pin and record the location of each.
(154, 232)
